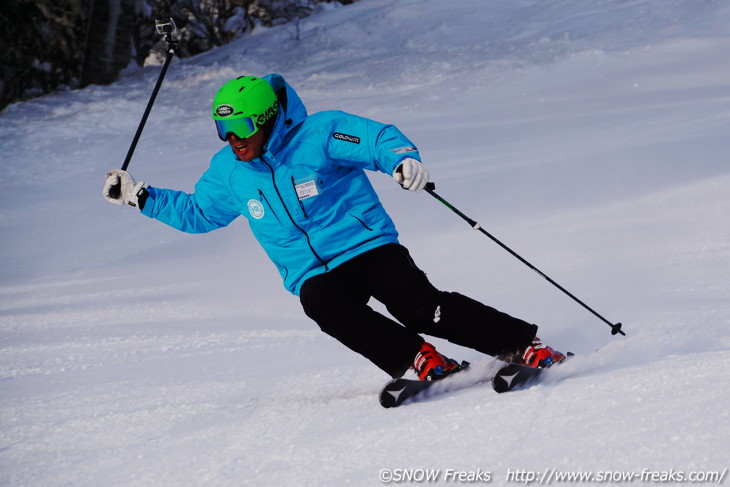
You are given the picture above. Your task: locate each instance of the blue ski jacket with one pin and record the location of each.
(307, 198)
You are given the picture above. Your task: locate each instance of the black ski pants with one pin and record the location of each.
(338, 301)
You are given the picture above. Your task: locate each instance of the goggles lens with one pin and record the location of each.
(240, 127)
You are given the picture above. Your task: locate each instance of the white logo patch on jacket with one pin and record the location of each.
(256, 209)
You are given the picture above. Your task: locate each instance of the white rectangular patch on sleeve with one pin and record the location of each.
(404, 150)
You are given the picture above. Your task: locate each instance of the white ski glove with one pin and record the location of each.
(411, 174)
(121, 189)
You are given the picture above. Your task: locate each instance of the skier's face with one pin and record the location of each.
(249, 148)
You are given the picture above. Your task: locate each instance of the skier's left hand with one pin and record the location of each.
(411, 174)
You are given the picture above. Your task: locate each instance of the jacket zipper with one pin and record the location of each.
(263, 197)
(306, 235)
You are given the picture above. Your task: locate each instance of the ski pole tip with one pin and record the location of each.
(616, 329)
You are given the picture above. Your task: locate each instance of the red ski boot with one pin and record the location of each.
(431, 365)
(539, 355)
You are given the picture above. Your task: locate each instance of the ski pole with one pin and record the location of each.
(164, 26)
(430, 187)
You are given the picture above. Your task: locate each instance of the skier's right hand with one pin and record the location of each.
(411, 175)
(121, 189)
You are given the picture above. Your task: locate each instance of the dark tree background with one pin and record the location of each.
(47, 45)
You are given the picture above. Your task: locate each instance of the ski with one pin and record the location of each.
(506, 377)
(514, 376)
(397, 391)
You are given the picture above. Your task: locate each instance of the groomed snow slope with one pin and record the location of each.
(591, 137)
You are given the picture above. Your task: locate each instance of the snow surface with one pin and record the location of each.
(591, 137)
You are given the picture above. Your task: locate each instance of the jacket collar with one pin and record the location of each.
(292, 113)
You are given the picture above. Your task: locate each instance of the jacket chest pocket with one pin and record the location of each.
(314, 195)
(257, 208)
(307, 191)
(268, 222)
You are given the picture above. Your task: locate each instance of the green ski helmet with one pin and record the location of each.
(242, 106)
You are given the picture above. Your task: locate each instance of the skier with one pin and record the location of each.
(299, 179)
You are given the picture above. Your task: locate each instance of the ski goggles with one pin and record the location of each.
(240, 127)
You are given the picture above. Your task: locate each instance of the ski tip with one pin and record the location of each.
(397, 391)
(387, 400)
(514, 376)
